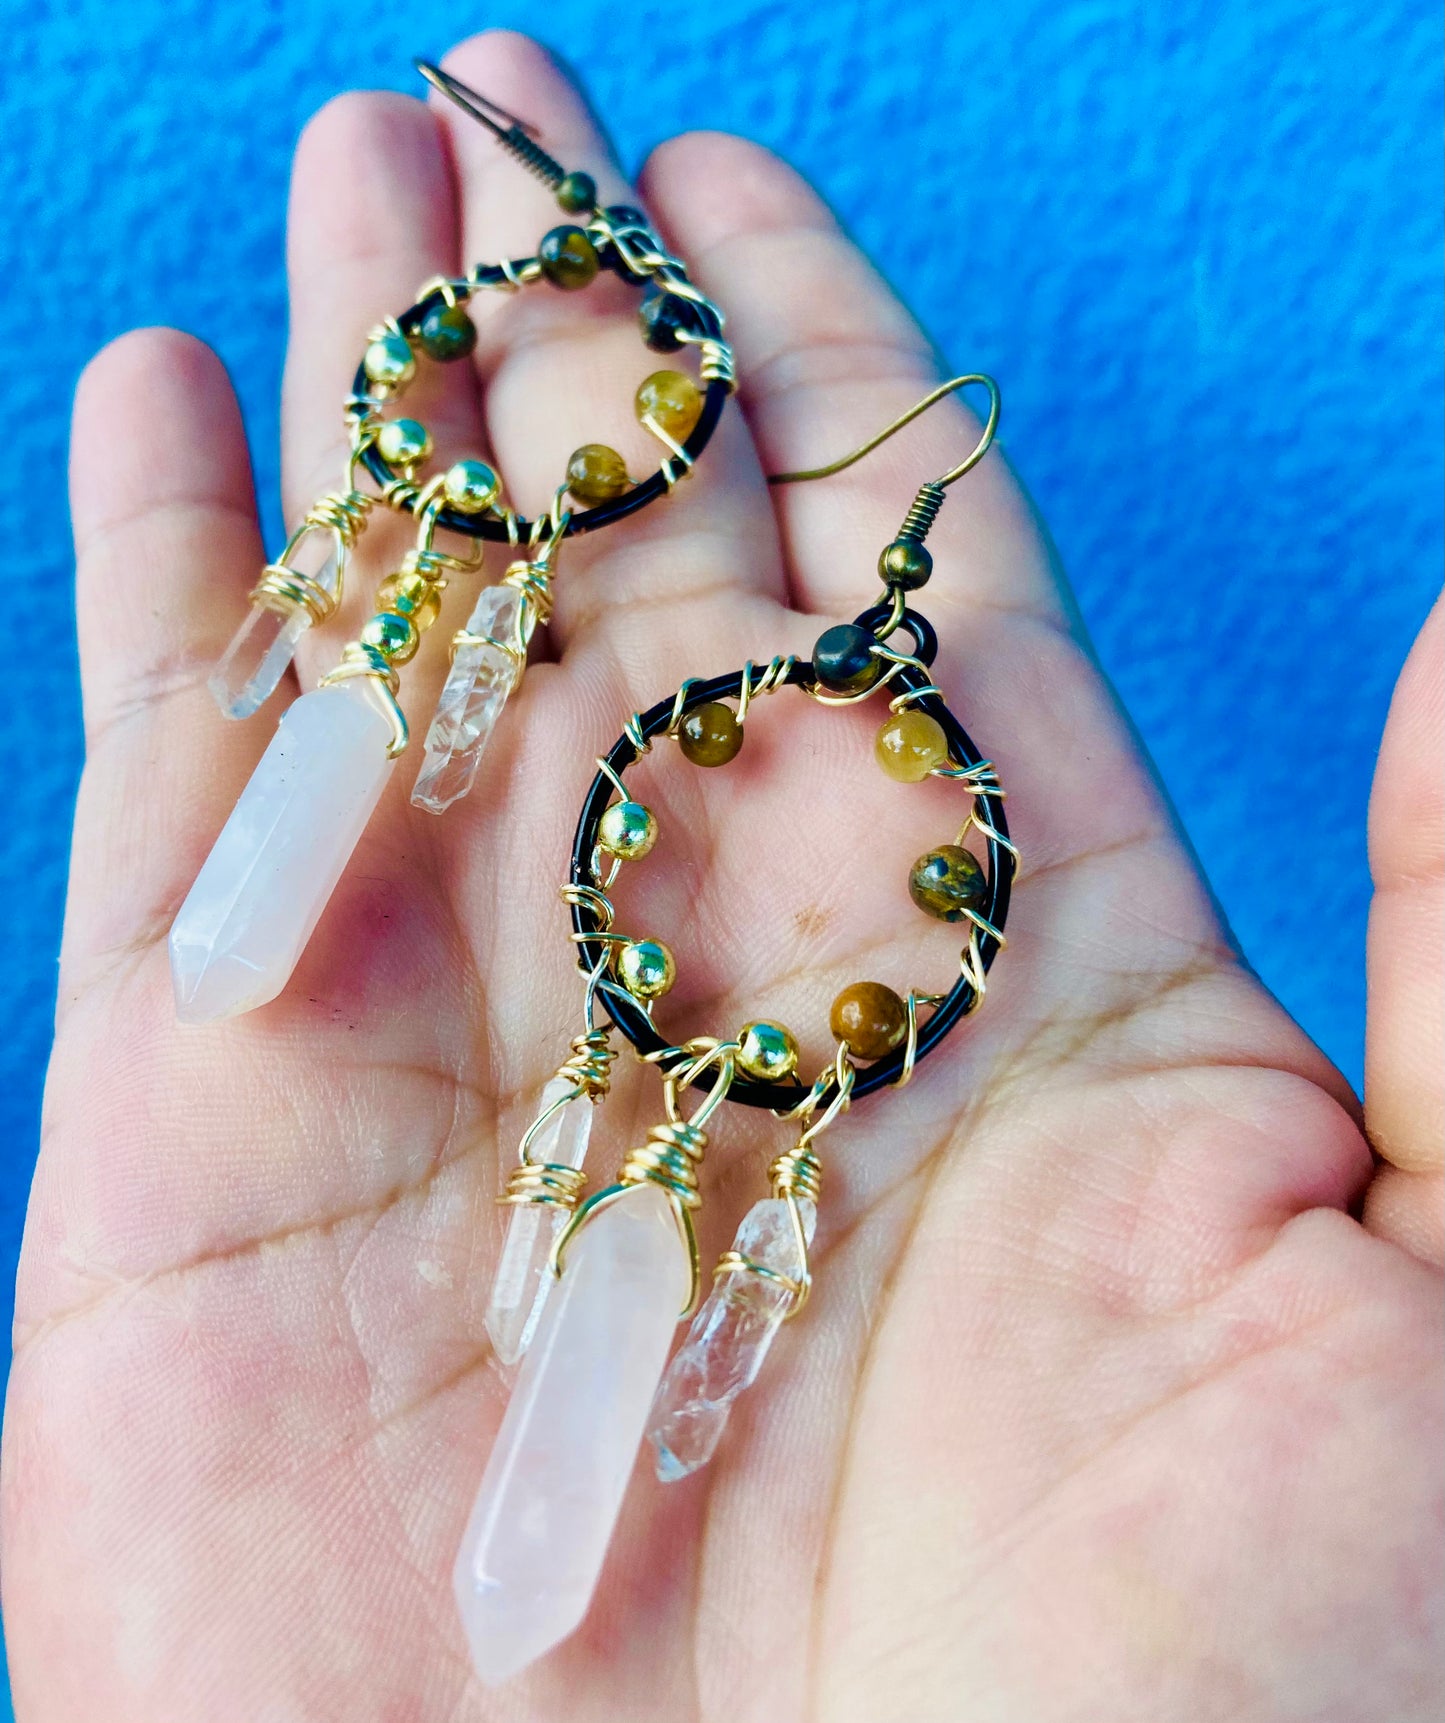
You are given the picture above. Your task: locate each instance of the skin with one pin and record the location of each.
(1119, 1394)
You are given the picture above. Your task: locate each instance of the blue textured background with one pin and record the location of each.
(1199, 244)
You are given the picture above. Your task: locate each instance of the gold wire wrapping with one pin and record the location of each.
(672, 1154)
(344, 514)
(552, 1183)
(360, 660)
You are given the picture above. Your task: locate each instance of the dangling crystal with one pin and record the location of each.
(553, 1486)
(524, 1277)
(728, 1340)
(263, 887)
(249, 671)
(482, 675)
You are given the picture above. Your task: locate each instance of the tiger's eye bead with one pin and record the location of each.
(664, 318)
(596, 474)
(568, 257)
(710, 735)
(871, 1018)
(844, 660)
(767, 1051)
(627, 830)
(577, 192)
(471, 487)
(404, 442)
(947, 882)
(673, 400)
(412, 595)
(394, 636)
(446, 333)
(905, 563)
(909, 745)
(390, 361)
(646, 968)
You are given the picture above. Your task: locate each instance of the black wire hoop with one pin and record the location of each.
(629, 1015)
(708, 327)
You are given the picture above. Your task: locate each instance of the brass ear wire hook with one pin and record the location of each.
(516, 136)
(970, 461)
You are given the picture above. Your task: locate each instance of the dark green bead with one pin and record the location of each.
(905, 563)
(844, 660)
(947, 883)
(568, 257)
(446, 332)
(665, 318)
(577, 192)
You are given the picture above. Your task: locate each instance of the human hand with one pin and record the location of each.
(1104, 1406)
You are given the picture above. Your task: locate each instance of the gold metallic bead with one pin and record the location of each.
(596, 474)
(627, 829)
(947, 883)
(404, 442)
(710, 734)
(390, 361)
(870, 1018)
(471, 487)
(673, 400)
(767, 1051)
(909, 745)
(413, 595)
(394, 636)
(646, 968)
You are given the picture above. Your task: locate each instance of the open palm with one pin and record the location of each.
(1104, 1407)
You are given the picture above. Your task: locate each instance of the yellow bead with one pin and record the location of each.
(471, 487)
(767, 1051)
(646, 968)
(596, 474)
(394, 636)
(673, 400)
(909, 745)
(413, 595)
(403, 442)
(710, 734)
(627, 830)
(390, 361)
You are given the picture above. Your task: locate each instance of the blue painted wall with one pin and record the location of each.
(1199, 243)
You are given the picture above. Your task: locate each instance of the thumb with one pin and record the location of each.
(1405, 1027)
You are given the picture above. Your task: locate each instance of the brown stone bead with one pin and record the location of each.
(947, 882)
(871, 1018)
(710, 735)
(568, 257)
(909, 745)
(596, 474)
(673, 400)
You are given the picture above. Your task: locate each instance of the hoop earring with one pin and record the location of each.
(588, 1288)
(262, 889)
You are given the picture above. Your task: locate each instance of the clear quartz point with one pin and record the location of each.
(524, 1276)
(249, 671)
(727, 1342)
(262, 889)
(482, 675)
(553, 1487)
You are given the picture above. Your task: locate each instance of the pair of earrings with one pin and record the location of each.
(588, 1288)
(262, 889)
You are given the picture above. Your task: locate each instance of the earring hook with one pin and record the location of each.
(472, 101)
(971, 460)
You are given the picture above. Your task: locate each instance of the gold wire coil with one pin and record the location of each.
(770, 678)
(669, 1157)
(734, 1262)
(360, 660)
(548, 1184)
(286, 590)
(716, 363)
(797, 1172)
(344, 512)
(590, 1063)
(534, 581)
(923, 511)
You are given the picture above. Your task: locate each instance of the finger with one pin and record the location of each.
(1408, 1209)
(373, 215)
(167, 545)
(1405, 1028)
(563, 367)
(827, 356)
